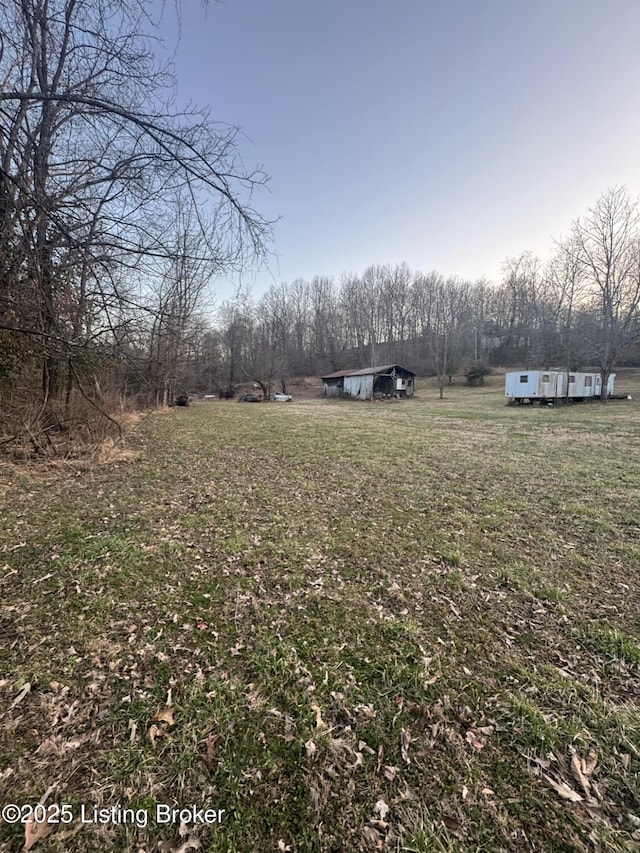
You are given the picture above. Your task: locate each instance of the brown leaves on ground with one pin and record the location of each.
(320, 723)
(580, 770)
(583, 768)
(165, 715)
(161, 722)
(405, 740)
(477, 736)
(22, 693)
(208, 751)
(36, 830)
(564, 790)
(42, 823)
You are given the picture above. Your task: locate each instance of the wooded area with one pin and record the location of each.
(578, 309)
(118, 213)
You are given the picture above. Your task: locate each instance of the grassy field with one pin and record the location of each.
(391, 626)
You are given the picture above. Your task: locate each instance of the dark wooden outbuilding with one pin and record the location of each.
(387, 380)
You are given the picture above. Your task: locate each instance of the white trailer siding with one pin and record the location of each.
(533, 384)
(589, 388)
(521, 385)
(576, 384)
(547, 384)
(552, 385)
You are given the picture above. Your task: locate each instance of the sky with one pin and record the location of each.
(447, 134)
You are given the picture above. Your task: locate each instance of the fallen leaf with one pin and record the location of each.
(389, 772)
(164, 716)
(320, 723)
(589, 763)
(133, 728)
(454, 826)
(477, 741)
(381, 809)
(565, 791)
(49, 747)
(310, 748)
(35, 830)
(578, 775)
(405, 740)
(315, 799)
(364, 747)
(156, 732)
(255, 700)
(542, 762)
(371, 840)
(192, 843)
(208, 753)
(23, 692)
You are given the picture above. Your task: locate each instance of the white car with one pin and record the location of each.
(282, 398)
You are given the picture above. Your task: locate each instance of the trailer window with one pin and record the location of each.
(524, 377)
(572, 378)
(587, 381)
(545, 377)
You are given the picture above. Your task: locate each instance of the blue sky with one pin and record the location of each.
(450, 134)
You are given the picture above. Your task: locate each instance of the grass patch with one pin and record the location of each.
(350, 626)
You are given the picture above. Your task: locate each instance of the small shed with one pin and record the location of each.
(387, 380)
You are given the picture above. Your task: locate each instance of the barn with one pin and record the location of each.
(387, 380)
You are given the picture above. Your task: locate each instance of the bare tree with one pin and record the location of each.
(329, 335)
(237, 319)
(449, 316)
(90, 150)
(565, 293)
(185, 278)
(606, 246)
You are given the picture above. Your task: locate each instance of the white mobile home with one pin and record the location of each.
(552, 386)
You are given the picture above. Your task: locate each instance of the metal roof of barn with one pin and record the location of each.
(366, 371)
(337, 375)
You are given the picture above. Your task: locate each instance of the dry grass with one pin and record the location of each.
(378, 627)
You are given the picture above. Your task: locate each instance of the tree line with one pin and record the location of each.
(579, 308)
(118, 212)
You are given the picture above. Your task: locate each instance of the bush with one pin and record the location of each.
(476, 375)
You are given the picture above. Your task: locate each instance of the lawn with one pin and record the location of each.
(351, 626)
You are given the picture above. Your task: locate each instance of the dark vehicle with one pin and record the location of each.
(182, 400)
(250, 398)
